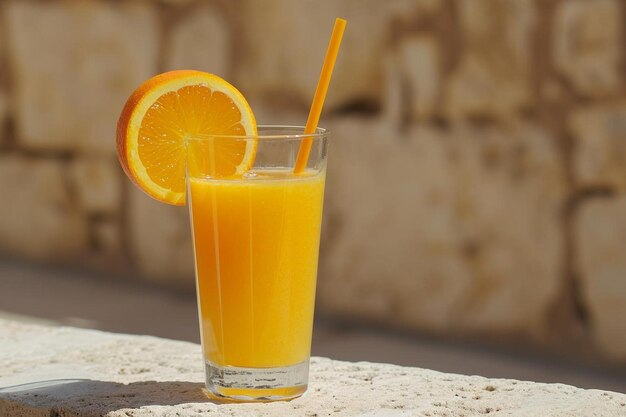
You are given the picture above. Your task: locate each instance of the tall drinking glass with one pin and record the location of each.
(256, 241)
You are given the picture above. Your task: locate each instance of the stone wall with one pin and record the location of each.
(477, 178)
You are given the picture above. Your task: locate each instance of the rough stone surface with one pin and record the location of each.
(74, 65)
(160, 240)
(98, 184)
(420, 62)
(427, 247)
(293, 68)
(600, 243)
(65, 371)
(588, 41)
(600, 146)
(201, 40)
(37, 217)
(493, 75)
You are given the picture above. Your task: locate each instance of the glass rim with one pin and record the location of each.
(320, 133)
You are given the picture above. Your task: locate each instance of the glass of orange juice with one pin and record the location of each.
(256, 241)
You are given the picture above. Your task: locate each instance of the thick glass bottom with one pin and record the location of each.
(257, 384)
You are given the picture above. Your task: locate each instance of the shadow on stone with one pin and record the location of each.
(103, 396)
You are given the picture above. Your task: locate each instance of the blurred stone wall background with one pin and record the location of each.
(477, 177)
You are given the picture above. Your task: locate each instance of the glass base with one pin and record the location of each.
(257, 384)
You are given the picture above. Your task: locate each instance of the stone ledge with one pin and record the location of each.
(61, 371)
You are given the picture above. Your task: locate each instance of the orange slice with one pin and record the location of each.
(166, 111)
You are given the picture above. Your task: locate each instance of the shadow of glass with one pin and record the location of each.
(103, 396)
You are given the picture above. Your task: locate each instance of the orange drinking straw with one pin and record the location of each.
(320, 94)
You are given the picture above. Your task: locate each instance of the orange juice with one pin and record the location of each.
(256, 243)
